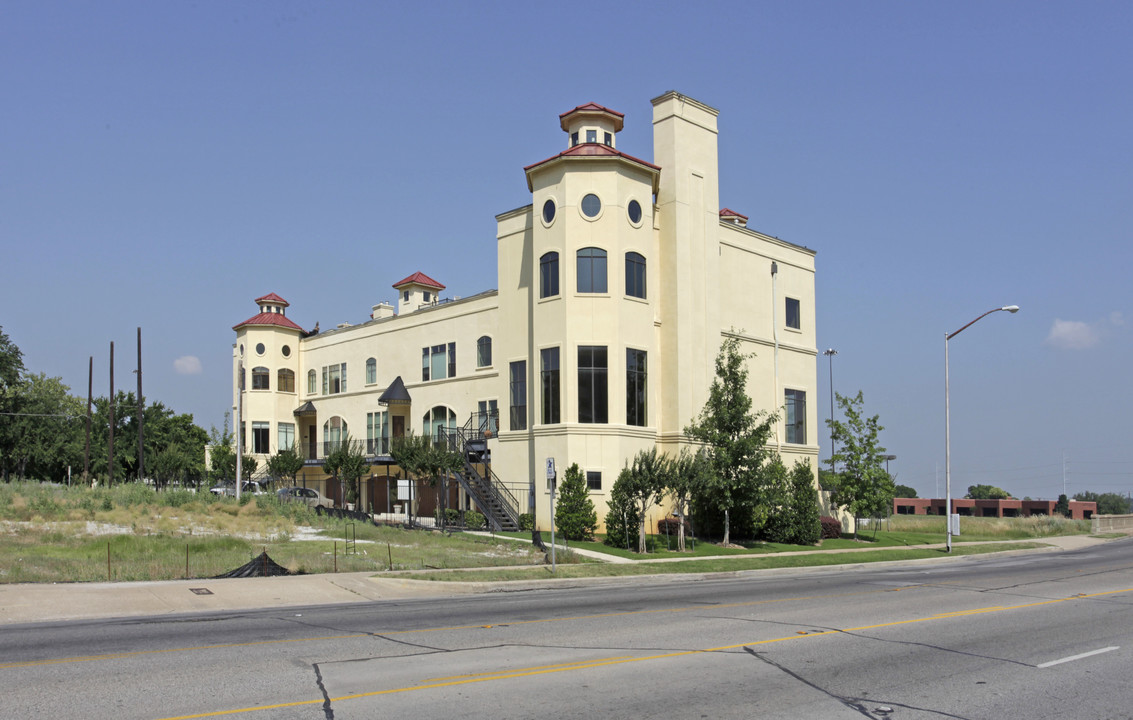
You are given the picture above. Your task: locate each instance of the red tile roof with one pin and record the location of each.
(592, 109)
(591, 150)
(269, 318)
(419, 278)
(731, 213)
(272, 297)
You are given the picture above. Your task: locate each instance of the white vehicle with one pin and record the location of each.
(249, 487)
(304, 495)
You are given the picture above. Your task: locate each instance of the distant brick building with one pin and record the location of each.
(1079, 510)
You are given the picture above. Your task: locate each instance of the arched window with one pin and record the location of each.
(371, 371)
(261, 378)
(334, 431)
(549, 275)
(311, 380)
(285, 380)
(437, 420)
(484, 351)
(591, 270)
(635, 275)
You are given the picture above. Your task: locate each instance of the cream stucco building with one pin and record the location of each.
(616, 287)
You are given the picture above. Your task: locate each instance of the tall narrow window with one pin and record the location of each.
(549, 275)
(334, 431)
(452, 359)
(795, 402)
(635, 275)
(518, 395)
(312, 378)
(371, 371)
(377, 433)
(636, 388)
(484, 351)
(286, 436)
(488, 413)
(261, 378)
(793, 314)
(592, 385)
(285, 380)
(591, 270)
(261, 438)
(550, 385)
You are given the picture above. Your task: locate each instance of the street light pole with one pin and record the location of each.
(830, 353)
(947, 423)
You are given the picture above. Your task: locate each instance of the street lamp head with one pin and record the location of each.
(1010, 308)
(832, 351)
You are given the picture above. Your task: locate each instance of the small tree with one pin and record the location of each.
(649, 477)
(622, 517)
(286, 464)
(863, 485)
(347, 463)
(806, 528)
(689, 476)
(574, 511)
(904, 491)
(736, 437)
(987, 492)
(1062, 507)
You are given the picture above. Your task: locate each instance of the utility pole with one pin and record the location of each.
(110, 444)
(90, 400)
(141, 412)
(830, 353)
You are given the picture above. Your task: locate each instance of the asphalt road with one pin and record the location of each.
(1030, 636)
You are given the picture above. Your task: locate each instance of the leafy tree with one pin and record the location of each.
(622, 518)
(736, 438)
(44, 435)
(986, 492)
(690, 474)
(1062, 507)
(863, 486)
(11, 370)
(1108, 503)
(222, 458)
(347, 463)
(286, 464)
(574, 511)
(904, 491)
(648, 478)
(797, 520)
(421, 456)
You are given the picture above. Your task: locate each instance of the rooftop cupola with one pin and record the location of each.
(417, 291)
(591, 123)
(272, 303)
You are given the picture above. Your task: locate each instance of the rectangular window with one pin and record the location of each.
(549, 275)
(371, 371)
(550, 385)
(260, 378)
(310, 382)
(609, 140)
(574, 138)
(795, 405)
(286, 380)
(377, 433)
(591, 270)
(593, 480)
(518, 395)
(489, 417)
(334, 379)
(591, 136)
(261, 438)
(793, 314)
(592, 385)
(286, 436)
(636, 388)
(438, 362)
(635, 275)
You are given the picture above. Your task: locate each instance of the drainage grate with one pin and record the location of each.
(200, 591)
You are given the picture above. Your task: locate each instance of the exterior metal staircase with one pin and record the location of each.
(491, 496)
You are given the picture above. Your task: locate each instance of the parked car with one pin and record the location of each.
(249, 487)
(304, 495)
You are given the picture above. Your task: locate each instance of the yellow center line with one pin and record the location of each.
(621, 660)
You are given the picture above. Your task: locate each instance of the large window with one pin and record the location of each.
(312, 378)
(334, 379)
(285, 380)
(550, 383)
(488, 412)
(635, 275)
(795, 403)
(286, 435)
(377, 433)
(793, 314)
(549, 275)
(438, 362)
(592, 385)
(261, 438)
(436, 421)
(484, 352)
(261, 378)
(636, 388)
(334, 432)
(517, 373)
(591, 270)
(371, 371)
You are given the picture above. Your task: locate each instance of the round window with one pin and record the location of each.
(260, 348)
(286, 351)
(591, 205)
(549, 211)
(634, 211)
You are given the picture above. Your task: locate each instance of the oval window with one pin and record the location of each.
(591, 205)
(260, 348)
(549, 211)
(286, 351)
(634, 212)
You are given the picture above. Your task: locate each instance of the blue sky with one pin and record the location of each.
(163, 164)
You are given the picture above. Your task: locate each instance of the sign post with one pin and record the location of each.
(551, 481)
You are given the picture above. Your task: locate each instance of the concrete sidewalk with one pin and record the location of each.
(30, 603)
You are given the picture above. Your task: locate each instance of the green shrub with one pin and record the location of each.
(474, 520)
(623, 517)
(177, 498)
(526, 522)
(574, 512)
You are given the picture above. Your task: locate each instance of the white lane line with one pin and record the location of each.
(1077, 657)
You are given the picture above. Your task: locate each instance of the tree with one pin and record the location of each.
(622, 518)
(347, 463)
(286, 464)
(1108, 503)
(863, 486)
(11, 370)
(422, 456)
(736, 437)
(44, 436)
(574, 511)
(986, 492)
(1062, 507)
(648, 478)
(797, 520)
(690, 474)
(222, 458)
(904, 491)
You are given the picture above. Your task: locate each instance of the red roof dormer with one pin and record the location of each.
(419, 278)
